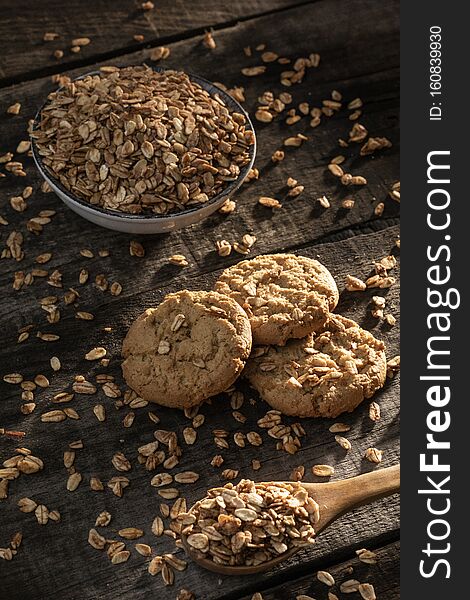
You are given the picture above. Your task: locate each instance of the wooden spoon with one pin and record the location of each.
(335, 498)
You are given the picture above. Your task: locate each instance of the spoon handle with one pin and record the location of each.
(365, 488)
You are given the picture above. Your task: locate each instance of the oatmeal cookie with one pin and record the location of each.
(189, 348)
(285, 296)
(327, 373)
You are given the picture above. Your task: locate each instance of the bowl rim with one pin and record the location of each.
(233, 186)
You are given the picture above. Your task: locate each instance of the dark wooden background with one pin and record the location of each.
(358, 43)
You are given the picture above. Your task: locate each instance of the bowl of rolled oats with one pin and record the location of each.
(143, 149)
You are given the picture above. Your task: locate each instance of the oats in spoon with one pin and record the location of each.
(250, 523)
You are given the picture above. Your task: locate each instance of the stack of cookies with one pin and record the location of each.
(305, 361)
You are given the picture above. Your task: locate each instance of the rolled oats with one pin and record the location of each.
(224, 525)
(209, 41)
(145, 151)
(326, 578)
(130, 533)
(349, 586)
(374, 412)
(143, 549)
(373, 455)
(103, 519)
(120, 557)
(96, 540)
(323, 470)
(73, 481)
(367, 592)
(367, 556)
(354, 284)
(343, 442)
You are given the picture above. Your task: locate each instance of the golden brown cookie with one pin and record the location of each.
(189, 348)
(323, 375)
(285, 296)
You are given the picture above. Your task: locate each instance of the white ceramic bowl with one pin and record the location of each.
(147, 224)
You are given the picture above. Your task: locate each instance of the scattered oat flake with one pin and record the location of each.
(116, 288)
(326, 578)
(143, 549)
(264, 116)
(253, 71)
(367, 592)
(96, 540)
(349, 586)
(120, 557)
(53, 416)
(223, 247)
(367, 556)
(136, 249)
(209, 41)
(324, 202)
(96, 353)
(343, 442)
(323, 470)
(228, 207)
(269, 202)
(14, 109)
(83, 41)
(278, 156)
(74, 481)
(373, 455)
(374, 144)
(26, 505)
(42, 514)
(130, 533)
(50, 36)
(374, 411)
(294, 141)
(23, 146)
(268, 57)
(393, 366)
(339, 428)
(379, 209)
(354, 284)
(178, 259)
(335, 170)
(159, 53)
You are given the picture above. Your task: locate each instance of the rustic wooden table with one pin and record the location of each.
(358, 44)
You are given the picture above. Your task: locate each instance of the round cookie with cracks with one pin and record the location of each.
(285, 296)
(328, 373)
(189, 348)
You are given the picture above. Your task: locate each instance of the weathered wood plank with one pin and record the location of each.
(92, 575)
(110, 26)
(384, 576)
(299, 222)
(56, 559)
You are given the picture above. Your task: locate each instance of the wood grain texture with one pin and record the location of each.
(110, 26)
(300, 221)
(358, 41)
(384, 576)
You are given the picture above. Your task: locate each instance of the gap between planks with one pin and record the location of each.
(387, 546)
(59, 68)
